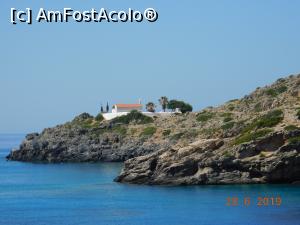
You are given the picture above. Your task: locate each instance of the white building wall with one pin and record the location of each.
(110, 116)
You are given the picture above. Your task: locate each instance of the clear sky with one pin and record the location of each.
(203, 52)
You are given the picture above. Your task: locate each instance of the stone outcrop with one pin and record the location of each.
(269, 160)
(76, 145)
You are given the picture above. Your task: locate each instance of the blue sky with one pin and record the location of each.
(203, 52)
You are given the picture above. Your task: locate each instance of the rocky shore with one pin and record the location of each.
(268, 160)
(255, 139)
(75, 143)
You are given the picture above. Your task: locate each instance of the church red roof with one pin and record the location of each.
(128, 105)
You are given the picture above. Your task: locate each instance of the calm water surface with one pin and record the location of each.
(63, 194)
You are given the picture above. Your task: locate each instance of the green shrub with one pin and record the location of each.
(228, 125)
(227, 119)
(183, 106)
(82, 117)
(227, 154)
(99, 117)
(280, 80)
(176, 136)
(270, 119)
(85, 123)
(298, 114)
(204, 116)
(273, 92)
(166, 132)
(209, 131)
(258, 107)
(282, 89)
(262, 155)
(133, 116)
(291, 128)
(148, 131)
(294, 140)
(231, 107)
(226, 114)
(246, 137)
(121, 130)
(133, 131)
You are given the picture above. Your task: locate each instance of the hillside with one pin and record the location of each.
(252, 140)
(255, 139)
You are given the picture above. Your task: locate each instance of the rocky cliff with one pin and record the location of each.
(250, 140)
(85, 139)
(271, 159)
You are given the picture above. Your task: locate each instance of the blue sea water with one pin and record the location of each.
(67, 194)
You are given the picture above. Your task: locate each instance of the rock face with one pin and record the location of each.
(75, 145)
(80, 141)
(254, 139)
(268, 160)
(258, 142)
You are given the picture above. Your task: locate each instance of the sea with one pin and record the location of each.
(85, 193)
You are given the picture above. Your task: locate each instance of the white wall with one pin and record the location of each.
(110, 116)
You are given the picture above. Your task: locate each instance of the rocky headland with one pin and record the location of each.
(255, 139)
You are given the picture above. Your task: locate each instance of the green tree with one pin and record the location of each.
(107, 107)
(133, 116)
(183, 106)
(163, 101)
(150, 106)
(99, 117)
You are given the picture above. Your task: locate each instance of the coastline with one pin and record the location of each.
(251, 140)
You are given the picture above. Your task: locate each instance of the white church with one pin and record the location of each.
(124, 109)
